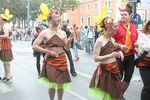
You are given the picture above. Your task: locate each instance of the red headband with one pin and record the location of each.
(126, 9)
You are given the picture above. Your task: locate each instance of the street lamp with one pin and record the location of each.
(28, 13)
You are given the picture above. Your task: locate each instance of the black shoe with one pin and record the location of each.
(74, 74)
(4, 78)
(0, 78)
(122, 98)
(8, 80)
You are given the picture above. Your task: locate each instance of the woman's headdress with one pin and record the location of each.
(103, 21)
(44, 12)
(7, 16)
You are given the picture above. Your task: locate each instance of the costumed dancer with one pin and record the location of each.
(54, 72)
(126, 34)
(106, 80)
(6, 55)
(144, 60)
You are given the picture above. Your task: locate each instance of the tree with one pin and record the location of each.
(19, 7)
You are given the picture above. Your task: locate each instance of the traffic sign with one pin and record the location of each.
(136, 18)
(133, 1)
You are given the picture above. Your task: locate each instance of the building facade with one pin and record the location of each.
(84, 12)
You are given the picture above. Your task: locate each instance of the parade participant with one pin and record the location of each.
(126, 34)
(54, 72)
(68, 52)
(106, 80)
(6, 55)
(36, 53)
(144, 62)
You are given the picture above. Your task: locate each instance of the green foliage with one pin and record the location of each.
(19, 7)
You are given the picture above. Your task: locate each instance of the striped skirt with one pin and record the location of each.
(106, 82)
(55, 73)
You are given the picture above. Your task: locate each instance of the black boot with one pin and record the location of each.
(74, 74)
(122, 98)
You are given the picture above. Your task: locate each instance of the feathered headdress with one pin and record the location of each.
(44, 12)
(7, 16)
(103, 21)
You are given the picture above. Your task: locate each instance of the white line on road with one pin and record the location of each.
(85, 75)
(77, 95)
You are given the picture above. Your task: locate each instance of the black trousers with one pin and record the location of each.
(72, 69)
(145, 74)
(127, 68)
(38, 58)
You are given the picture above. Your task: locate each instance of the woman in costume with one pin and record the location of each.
(54, 72)
(144, 64)
(106, 80)
(6, 55)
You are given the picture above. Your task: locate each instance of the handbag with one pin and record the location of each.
(140, 58)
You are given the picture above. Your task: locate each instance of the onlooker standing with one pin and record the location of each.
(68, 52)
(84, 38)
(76, 39)
(144, 64)
(36, 53)
(96, 33)
(14, 35)
(90, 39)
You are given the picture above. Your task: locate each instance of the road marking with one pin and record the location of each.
(77, 95)
(85, 75)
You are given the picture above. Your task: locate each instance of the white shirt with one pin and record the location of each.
(90, 34)
(144, 43)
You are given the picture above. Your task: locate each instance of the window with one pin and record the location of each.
(106, 3)
(96, 6)
(82, 21)
(109, 4)
(88, 7)
(82, 8)
(89, 21)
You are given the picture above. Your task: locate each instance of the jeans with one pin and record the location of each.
(90, 45)
(75, 48)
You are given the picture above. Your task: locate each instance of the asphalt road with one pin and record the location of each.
(26, 87)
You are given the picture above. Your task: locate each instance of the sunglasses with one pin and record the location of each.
(123, 14)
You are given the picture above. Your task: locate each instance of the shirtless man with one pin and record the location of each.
(55, 63)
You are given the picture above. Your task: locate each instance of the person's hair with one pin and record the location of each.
(64, 28)
(145, 27)
(51, 14)
(37, 29)
(86, 27)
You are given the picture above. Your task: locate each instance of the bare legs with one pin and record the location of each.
(7, 70)
(60, 94)
(52, 93)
